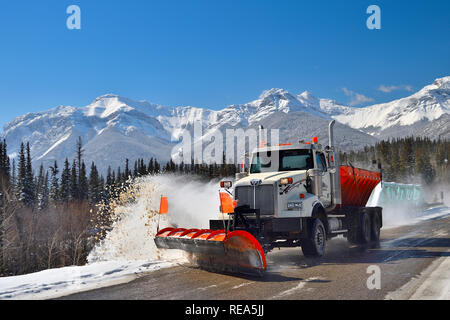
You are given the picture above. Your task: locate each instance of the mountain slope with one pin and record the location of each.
(403, 116)
(114, 128)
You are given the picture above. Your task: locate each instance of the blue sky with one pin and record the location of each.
(214, 53)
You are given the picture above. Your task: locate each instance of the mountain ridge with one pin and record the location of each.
(151, 130)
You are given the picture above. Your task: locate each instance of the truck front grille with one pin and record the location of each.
(264, 198)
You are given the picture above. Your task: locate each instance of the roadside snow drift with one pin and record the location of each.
(128, 249)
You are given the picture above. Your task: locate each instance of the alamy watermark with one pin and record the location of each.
(74, 20)
(214, 147)
(374, 20)
(374, 280)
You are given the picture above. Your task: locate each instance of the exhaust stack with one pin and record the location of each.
(331, 134)
(334, 168)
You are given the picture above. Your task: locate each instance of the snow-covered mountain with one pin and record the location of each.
(406, 116)
(114, 128)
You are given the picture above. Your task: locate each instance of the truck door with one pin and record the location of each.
(326, 183)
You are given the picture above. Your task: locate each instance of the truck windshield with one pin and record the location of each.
(261, 162)
(300, 159)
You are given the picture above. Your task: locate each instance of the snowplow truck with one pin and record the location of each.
(293, 195)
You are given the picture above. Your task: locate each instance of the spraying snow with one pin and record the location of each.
(191, 204)
(403, 204)
(128, 248)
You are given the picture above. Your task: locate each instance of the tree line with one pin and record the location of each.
(49, 218)
(406, 160)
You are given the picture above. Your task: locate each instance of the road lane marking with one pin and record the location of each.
(290, 291)
(298, 287)
(241, 285)
(208, 287)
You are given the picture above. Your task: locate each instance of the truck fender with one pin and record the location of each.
(318, 212)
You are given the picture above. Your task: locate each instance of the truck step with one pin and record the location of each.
(340, 231)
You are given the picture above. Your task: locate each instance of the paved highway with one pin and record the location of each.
(403, 254)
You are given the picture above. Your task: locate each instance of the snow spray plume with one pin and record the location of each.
(397, 212)
(134, 216)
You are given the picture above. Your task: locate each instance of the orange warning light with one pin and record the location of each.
(164, 206)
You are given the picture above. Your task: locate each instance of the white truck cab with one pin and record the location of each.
(279, 180)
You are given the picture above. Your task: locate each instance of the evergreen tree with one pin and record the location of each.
(151, 167)
(101, 188)
(83, 184)
(135, 170)
(142, 168)
(13, 174)
(39, 189)
(54, 185)
(5, 170)
(127, 172)
(79, 156)
(74, 192)
(119, 176)
(25, 180)
(424, 167)
(21, 175)
(42, 191)
(157, 168)
(45, 193)
(109, 178)
(64, 193)
(29, 180)
(94, 185)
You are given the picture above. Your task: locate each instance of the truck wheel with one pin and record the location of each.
(353, 232)
(360, 229)
(376, 226)
(366, 230)
(314, 246)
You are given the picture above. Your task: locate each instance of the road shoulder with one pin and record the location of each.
(432, 284)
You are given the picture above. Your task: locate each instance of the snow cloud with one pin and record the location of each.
(387, 89)
(356, 98)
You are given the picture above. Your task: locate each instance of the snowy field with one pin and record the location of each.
(128, 251)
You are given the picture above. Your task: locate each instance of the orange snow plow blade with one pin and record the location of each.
(219, 251)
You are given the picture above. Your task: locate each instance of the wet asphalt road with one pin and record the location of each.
(403, 253)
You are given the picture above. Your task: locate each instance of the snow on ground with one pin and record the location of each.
(128, 249)
(59, 282)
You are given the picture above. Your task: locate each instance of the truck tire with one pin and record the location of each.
(376, 226)
(360, 230)
(366, 229)
(314, 245)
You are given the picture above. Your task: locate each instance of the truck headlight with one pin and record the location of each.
(295, 205)
(285, 181)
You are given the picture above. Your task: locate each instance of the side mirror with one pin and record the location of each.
(313, 172)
